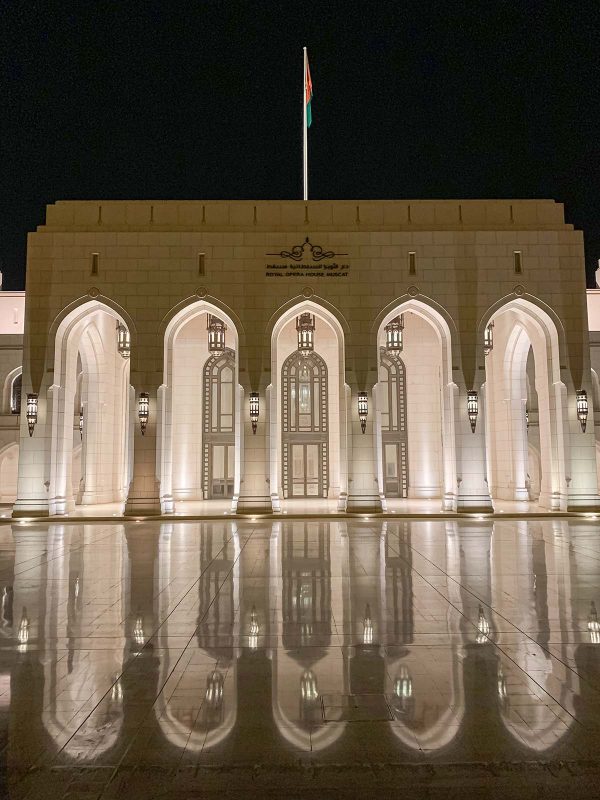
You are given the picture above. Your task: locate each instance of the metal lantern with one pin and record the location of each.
(305, 325)
(472, 409)
(488, 339)
(123, 340)
(526, 416)
(254, 410)
(393, 335)
(216, 334)
(81, 422)
(32, 412)
(363, 410)
(582, 408)
(143, 410)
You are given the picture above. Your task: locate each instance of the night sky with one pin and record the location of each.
(203, 100)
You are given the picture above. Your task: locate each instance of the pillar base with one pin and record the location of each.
(583, 502)
(553, 501)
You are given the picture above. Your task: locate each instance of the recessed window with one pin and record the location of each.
(95, 260)
(517, 262)
(412, 263)
(201, 267)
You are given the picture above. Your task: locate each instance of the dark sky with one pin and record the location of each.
(203, 100)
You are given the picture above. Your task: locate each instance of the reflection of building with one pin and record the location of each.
(150, 327)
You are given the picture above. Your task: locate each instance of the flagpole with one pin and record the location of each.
(304, 132)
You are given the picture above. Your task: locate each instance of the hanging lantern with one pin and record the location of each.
(363, 410)
(32, 412)
(472, 409)
(143, 410)
(254, 410)
(305, 325)
(488, 339)
(216, 334)
(483, 628)
(393, 335)
(81, 423)
(582, 408)
(123, 340)
(526, 416)
(593, 624)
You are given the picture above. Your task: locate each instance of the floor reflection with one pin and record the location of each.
(232, 643)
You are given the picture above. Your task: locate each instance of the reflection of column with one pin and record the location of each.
(144, 489)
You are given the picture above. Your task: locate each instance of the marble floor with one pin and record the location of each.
(306, 658)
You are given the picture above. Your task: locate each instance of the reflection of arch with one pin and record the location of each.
(521, 326)
(329, 342)
(9, 469)
(439, 324)
(88, 331)
(178, 325)
(196, 727)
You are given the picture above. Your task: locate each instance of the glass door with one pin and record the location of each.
(305, 470)
(222, 470)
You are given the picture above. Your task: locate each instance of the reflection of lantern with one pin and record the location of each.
(472, 409)
(254, 410)
(23, 634)
(143, 410)
(368, 626)
(305, 325)
(254, 629)
(216, 334)
(502, 688)
(81, 422)
(403, 685)
(593, 624)
(138, 632)
(123, 340)
(488, 339)
(393, 335)
(363, 410)
(483, 628)
(308, 686)
(582, 408)
(214, 689)
(32, 412)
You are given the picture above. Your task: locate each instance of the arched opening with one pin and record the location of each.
(414, 410)
(89, 412)
(201, 401)
(307, 411)
(9, 470)
(524, 410)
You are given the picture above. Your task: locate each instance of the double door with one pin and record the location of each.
(221, 471)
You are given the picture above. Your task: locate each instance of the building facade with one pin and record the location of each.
(290, 356)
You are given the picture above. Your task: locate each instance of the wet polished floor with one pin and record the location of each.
(312, 658)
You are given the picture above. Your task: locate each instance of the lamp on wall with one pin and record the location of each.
(143, 410)
(582, 408)
(32, 412)
(472, 409)
(305, 325)
(363, 410)
(216, 334)
(488, 339)
(526, 416)
(393, 335)
(123, 340)
(81, 423)
(254, 410)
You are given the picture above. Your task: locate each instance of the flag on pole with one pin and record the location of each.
(308, 94)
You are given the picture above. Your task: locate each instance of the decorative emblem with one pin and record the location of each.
(93, 292)
(519, 290)
(413, 291)
(315, 252)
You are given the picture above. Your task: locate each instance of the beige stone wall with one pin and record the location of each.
(148, 267)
